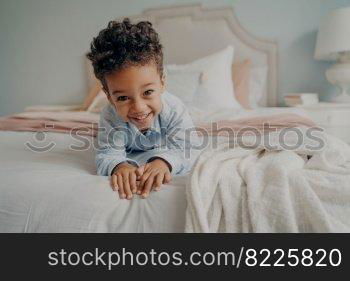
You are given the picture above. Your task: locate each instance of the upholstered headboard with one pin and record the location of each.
(189, 32)
(193, 31)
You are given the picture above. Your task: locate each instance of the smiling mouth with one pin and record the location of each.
(140, 118)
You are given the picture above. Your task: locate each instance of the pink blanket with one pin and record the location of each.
(264, 124)
(85, 123)
(70, 122)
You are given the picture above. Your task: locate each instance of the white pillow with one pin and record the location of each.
(99, 102)
(215, 90)
(178, 83)
(182, 84)
(257, 84)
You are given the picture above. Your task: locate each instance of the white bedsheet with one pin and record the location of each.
(59, 191)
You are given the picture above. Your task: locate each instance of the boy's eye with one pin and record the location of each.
(122, 98)
(148, 92)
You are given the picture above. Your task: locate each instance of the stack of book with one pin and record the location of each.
(301, 99)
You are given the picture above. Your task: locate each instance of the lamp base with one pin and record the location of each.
(339, 75)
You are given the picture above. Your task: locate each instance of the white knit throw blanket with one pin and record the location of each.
(259, 190)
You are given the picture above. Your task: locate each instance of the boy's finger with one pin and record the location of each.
(158, 181)
(114, 183)
(148, 186)
(146, 167)
(140, 170)
(121, 186)
(126, 183)
(138, 187)
(132, 179)
(167, 178)
(143, 179)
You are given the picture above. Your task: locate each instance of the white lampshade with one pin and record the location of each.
(334, 35)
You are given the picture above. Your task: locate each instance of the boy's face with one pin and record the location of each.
(135, 92)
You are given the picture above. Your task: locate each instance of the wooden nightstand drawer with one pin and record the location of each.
(333, 117)
(330, 117)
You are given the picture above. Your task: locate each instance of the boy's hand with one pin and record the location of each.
(124, 180)
(153, 174)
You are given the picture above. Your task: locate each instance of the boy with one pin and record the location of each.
(142, 132)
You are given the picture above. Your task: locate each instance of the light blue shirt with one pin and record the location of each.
(171, 138)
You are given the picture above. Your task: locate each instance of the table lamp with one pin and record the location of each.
(333, 44)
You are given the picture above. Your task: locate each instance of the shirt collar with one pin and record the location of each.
(155, 127)
(166, 108)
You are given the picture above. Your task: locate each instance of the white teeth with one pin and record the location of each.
(141, 117)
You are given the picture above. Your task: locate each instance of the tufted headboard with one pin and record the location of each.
(192, 31)
(189, 32)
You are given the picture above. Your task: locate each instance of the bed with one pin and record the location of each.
(59, 191)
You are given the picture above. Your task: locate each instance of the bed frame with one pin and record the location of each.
(189, 32)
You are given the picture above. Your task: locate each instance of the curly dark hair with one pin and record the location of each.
(123, 44)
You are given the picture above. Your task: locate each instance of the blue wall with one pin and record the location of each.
(43, 42)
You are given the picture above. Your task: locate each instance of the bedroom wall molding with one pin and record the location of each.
(197, 24)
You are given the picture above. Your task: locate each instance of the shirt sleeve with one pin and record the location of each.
(111, 145)
(181, 147)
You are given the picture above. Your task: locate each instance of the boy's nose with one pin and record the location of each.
(138, 106)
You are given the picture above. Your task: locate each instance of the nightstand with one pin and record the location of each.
(334, 118)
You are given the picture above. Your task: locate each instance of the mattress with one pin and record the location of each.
(58, 190)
